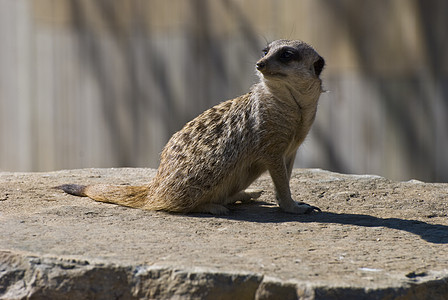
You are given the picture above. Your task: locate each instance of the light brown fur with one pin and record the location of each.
(216, 156)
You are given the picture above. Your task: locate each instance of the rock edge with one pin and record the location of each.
(25, 276)
(388, 241)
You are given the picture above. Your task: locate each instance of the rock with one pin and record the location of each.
(375, 239)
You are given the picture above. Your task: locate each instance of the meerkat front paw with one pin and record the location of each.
(300, 208)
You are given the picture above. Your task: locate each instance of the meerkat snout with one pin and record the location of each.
(260, 65)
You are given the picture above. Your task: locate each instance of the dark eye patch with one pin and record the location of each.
(288, 54)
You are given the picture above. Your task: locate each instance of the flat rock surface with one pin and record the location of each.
(374, 237)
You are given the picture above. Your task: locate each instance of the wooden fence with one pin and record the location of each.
(90, 83)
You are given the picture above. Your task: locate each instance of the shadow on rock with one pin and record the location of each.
(268, 213)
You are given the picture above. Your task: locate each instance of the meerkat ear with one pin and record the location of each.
(319, 66)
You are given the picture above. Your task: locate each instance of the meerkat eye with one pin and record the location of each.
(286, 56)
(265, 51)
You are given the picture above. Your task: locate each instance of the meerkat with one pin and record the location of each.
(212, 160)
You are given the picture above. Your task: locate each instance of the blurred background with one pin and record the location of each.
(103, 83)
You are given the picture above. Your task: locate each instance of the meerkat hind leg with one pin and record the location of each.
(245, 196)
(211, 208)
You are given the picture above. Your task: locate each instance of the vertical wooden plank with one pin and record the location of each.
(24, 48)
(15, 86)
(7, 82)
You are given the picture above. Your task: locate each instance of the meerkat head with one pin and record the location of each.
(291, 62)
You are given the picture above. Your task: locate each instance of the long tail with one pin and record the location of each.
(131, 196)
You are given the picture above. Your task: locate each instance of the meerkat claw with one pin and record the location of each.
(310, 208)
(313, 208)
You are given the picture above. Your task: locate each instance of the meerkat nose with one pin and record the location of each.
(260, 65)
